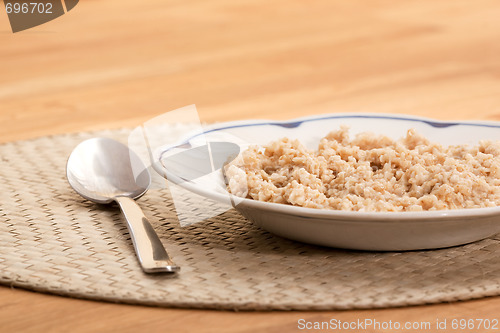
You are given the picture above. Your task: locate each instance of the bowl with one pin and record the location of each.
(374, 231)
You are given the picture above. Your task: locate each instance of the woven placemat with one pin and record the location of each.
(54, 241)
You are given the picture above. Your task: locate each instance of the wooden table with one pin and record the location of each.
(114, 63)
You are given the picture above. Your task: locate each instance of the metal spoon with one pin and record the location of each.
(103, 170)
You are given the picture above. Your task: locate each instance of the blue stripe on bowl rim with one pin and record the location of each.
(294, 123)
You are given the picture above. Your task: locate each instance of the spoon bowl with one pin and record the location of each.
(103, 170)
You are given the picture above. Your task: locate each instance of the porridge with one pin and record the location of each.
(369, 173)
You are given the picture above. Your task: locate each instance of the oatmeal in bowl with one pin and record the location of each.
(369, 172)
(416, 183)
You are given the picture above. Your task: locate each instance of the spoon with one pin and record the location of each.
(103, 170)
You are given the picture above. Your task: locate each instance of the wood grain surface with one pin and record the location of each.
(114, 63)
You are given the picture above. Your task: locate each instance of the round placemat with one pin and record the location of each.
(52, 240)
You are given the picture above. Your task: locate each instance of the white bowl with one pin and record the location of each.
(380, 231)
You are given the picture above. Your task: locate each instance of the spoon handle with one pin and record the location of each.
(148, 247)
